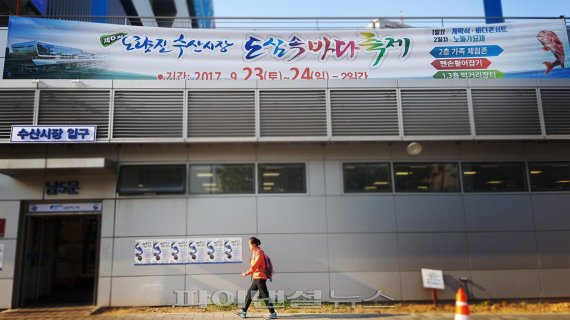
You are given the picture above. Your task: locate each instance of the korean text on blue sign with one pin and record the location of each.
(46, 134)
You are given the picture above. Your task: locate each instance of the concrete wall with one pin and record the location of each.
(511, 245)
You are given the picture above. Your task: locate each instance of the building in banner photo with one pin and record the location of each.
(375, 165)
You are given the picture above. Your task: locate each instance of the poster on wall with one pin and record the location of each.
(197, 251)
(56, 49)
(160, 251)
(143, 251)
(1, 255)
(178, 251)
(187, 251)
(232, 250)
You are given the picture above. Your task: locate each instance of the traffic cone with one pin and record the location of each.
(461, 306)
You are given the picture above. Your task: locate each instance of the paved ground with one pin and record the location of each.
(84, 313)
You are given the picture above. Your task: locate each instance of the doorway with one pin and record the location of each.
(60, 260)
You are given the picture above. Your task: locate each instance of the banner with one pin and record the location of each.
(187, 251)
(55, 49)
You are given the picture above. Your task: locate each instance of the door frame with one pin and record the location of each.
(24, 221)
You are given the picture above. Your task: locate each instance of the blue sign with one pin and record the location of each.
(62, 187)
(466, 51)
(40, 5)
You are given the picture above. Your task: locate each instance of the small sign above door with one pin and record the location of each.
(65, 207)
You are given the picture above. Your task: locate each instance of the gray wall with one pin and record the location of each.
(3, 40)
(511, 245)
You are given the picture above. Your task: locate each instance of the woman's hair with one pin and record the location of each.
(255, 241)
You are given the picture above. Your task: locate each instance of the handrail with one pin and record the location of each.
(297, 17)
(309, 22)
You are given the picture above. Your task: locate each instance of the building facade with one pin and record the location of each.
(353, 186)
(343, 210)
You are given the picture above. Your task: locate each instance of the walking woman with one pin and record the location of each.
(259, 279)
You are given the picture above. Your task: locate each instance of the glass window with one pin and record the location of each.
(282, 178)
(426, 177)
(549, 176)
(494, 177)
(222, 178)
(366, 177)
(158, 179)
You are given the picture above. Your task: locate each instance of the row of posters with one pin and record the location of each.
(55, 49)
(183, 251)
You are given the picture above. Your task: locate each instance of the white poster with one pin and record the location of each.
(232, 250)
(178, 251)
(161, 252)
(215, 250)
(197, 251)
(143, 251)
(1, 255)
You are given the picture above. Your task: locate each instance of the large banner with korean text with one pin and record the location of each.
(54, 49)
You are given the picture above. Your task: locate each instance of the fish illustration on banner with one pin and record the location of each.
(552, 43)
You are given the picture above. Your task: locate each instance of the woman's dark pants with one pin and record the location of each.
(261, 286)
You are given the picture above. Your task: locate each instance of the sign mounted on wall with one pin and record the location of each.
(56, 49)
(47, 134)
(62, 187)
(65, 207)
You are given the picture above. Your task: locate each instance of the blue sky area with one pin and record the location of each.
(385, 8)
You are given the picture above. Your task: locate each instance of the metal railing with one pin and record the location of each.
(289, 23)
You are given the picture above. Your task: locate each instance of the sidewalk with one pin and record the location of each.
(84, 313)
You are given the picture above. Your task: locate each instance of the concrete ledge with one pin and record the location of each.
(30, 166)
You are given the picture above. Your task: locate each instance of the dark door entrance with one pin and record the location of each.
(60, 260)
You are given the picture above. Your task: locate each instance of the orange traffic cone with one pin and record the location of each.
(461, 306)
